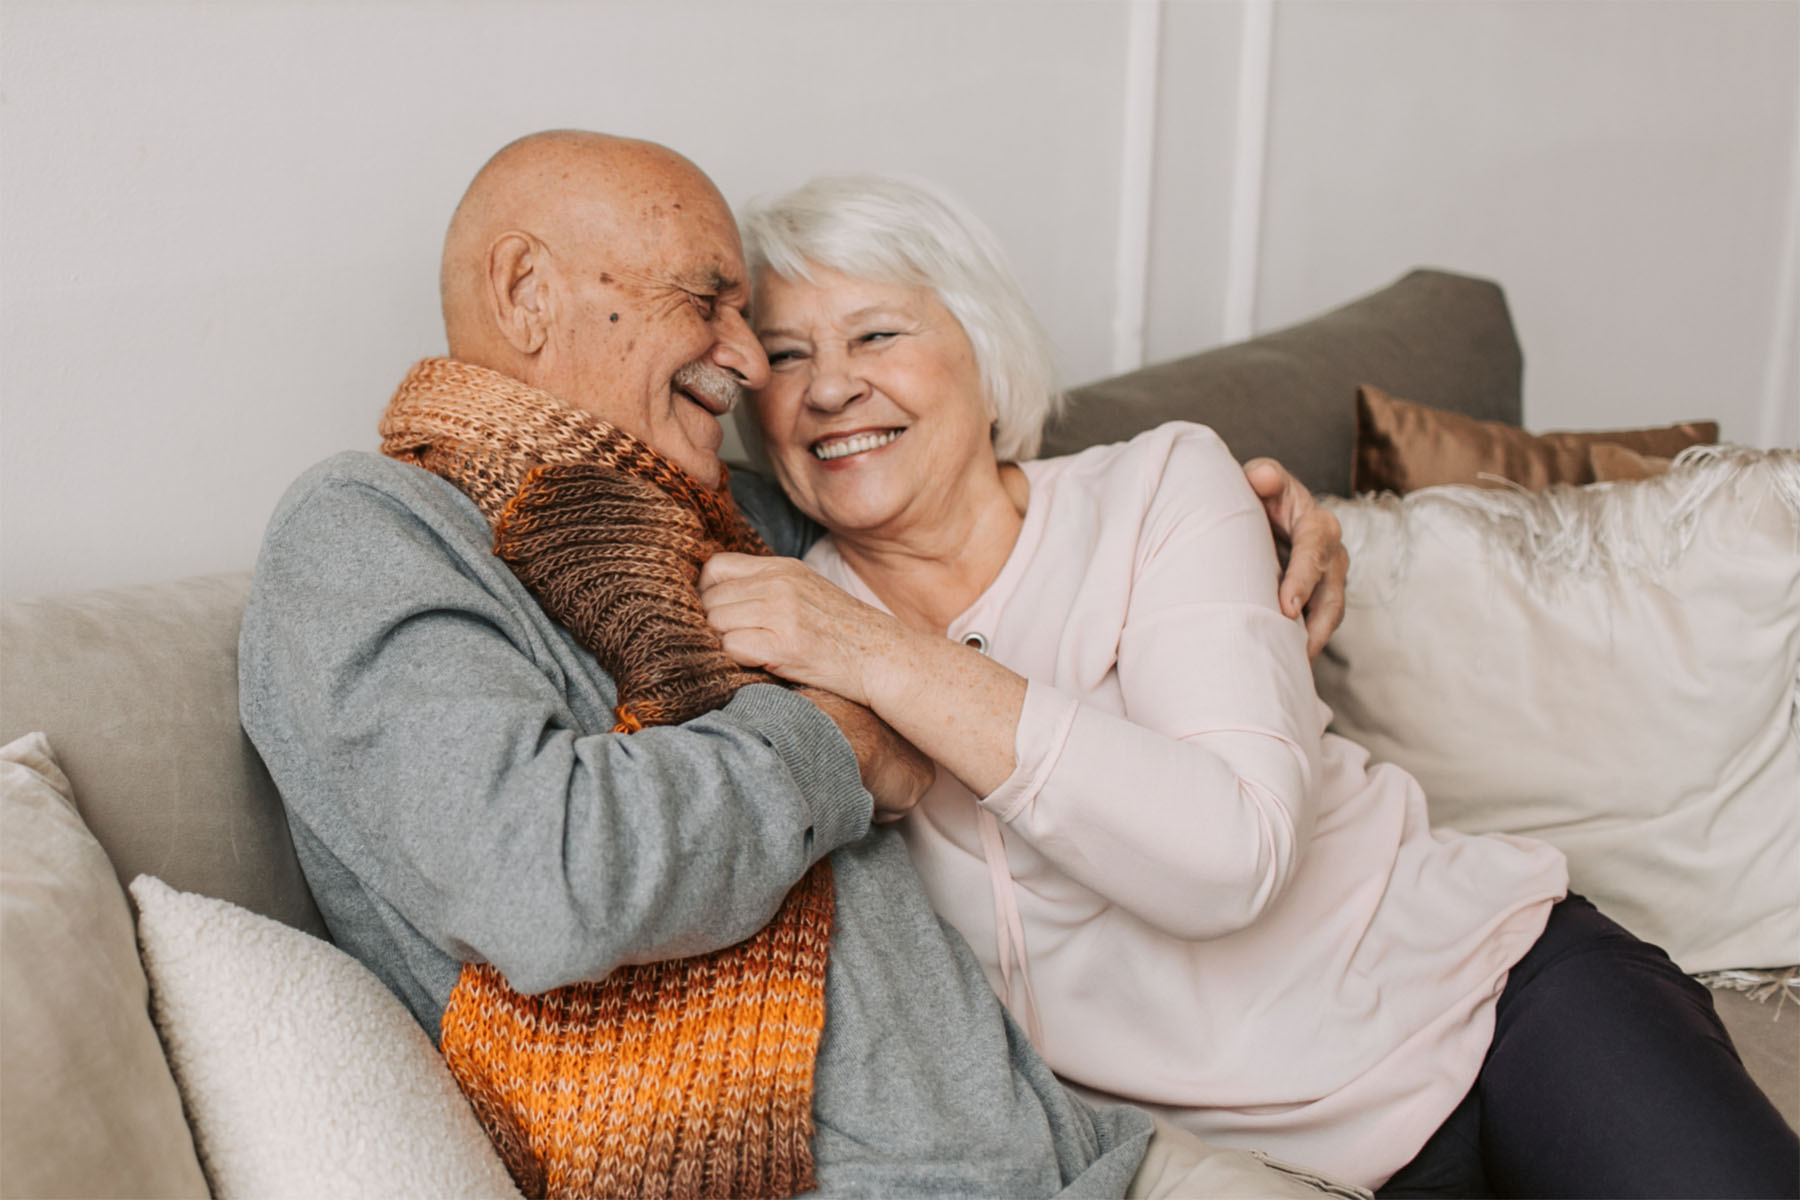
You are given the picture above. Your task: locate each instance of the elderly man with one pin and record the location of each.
(670, 916)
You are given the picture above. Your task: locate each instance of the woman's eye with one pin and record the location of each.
(777, 357)
(879, 335)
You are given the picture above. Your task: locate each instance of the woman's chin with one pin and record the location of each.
(849, 518)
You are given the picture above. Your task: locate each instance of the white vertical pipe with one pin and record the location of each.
(1256, 49)
(1137, 174)
(1780, 424)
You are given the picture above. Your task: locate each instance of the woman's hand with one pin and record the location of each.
(1317, 564)
(781, 615)
(955, 704)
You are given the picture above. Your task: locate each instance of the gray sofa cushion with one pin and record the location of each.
(1436, 338)
(137, 689)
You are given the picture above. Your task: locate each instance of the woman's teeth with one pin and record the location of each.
(826, 451)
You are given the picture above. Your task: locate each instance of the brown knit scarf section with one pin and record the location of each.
(684, 1078)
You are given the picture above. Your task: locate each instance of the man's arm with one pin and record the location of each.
(425, 722)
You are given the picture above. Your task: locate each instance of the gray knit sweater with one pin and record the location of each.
(454, 794)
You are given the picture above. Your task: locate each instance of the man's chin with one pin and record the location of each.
(705, 466)
(699, 454)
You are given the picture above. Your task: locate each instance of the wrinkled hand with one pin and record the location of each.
(893, 771)
(1317, 563)
(781, 615)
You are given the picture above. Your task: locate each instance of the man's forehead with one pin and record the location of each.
(678, 242)
(689, 209)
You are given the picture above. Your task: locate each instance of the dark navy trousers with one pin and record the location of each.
(1610, 1074)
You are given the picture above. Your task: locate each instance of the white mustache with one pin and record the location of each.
(711, 384)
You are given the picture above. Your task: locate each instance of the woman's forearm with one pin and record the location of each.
(955, 704)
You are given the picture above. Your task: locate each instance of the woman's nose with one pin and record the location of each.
(834, 386)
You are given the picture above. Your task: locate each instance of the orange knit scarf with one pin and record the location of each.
(683, 1078)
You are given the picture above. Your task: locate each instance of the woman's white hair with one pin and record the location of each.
(909, 233)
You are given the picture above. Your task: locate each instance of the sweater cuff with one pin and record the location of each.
(1043, 730)
(818, 758)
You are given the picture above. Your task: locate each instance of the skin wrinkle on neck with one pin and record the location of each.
(930, 577)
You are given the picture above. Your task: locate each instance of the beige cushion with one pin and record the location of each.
(1402, 447)
(1765, 1027)
(87, 1104)
(1612, 668)
(1178, 1165)
(137, 689)
(303, 1075)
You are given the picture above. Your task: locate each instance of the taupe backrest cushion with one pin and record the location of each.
(1436, 338)
(137, 689)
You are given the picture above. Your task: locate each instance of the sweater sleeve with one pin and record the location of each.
(1191, 806)
(425, 722)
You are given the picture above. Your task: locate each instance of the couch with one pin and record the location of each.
(134, 689)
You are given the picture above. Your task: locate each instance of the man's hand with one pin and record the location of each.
(895, 773)
(1317, 563)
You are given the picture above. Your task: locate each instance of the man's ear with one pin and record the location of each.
(519, 291)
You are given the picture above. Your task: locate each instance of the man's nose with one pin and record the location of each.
(738, 351)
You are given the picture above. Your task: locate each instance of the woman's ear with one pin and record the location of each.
(519, 291)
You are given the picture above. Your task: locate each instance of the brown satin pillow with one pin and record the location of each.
(1616, 464)
(1402, 447)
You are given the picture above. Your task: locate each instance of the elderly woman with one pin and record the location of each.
(1191, 895)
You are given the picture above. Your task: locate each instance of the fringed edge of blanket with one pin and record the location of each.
(1780, 982)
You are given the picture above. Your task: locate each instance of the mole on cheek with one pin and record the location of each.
(614, 318)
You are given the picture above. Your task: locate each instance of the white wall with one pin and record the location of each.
(1623, 168)
(219, 223)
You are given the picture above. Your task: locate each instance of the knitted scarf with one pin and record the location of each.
(683, 1078)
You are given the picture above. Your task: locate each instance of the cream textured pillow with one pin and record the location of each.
(1612, 668)
(303, 1075)
(87, 1104)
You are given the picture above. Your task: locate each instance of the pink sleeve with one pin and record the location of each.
(1190, 809)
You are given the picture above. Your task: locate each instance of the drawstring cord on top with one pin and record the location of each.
(1009, 929)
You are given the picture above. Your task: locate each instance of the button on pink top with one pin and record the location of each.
(1192, 895)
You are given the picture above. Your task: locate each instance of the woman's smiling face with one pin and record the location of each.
(874, 412)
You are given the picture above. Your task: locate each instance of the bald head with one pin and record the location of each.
(608, 272)
(570, 189)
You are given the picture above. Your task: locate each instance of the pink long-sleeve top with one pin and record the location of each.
(1194, 896)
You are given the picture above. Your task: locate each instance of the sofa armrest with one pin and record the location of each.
(1440, 339)
(136, 688)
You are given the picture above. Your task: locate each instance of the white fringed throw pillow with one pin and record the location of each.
(1614, 669)
(302, 1074)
